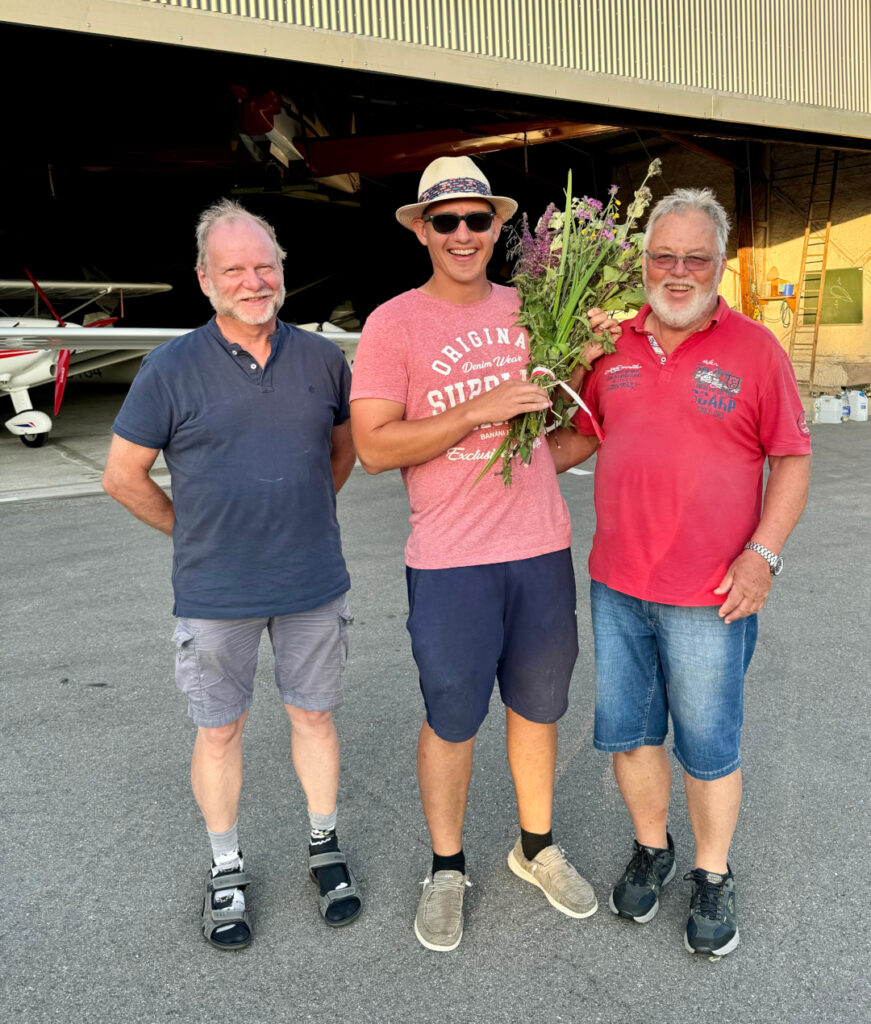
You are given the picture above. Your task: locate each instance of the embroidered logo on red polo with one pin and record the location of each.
(715, 389)
(623, 376)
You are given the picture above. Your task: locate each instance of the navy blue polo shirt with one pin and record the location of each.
(248, 450)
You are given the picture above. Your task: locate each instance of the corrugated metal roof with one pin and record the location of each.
(795, 51)
(799, 65)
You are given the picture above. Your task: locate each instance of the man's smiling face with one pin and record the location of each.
(461, 257)
(243, 277)
(680, 298)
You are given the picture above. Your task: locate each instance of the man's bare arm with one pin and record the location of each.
(384, 440)
(126, 479)
(748, 579)
(342, 454)
(568, 447)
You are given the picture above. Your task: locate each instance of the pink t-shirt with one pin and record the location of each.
(678, 484)
(431, 355)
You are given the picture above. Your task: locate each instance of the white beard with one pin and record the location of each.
(698, 309)
(236, 310)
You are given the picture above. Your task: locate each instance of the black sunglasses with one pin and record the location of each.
(447, 223)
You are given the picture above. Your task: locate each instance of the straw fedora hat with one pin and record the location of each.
(453, 177)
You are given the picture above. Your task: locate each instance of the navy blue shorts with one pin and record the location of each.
(511, 621)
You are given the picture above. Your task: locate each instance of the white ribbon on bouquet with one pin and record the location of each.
(540, 371)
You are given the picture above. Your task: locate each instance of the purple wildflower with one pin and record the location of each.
(544, 223)
(534, 250)
(613, 190)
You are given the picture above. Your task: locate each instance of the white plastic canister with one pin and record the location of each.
(858, 406)
(827, 409)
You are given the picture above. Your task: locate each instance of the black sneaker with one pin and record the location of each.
(713, 922)
(636, 895)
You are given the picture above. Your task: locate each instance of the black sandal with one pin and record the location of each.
(217, 917)
(335, 858)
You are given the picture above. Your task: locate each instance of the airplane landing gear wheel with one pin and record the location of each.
(33, 440)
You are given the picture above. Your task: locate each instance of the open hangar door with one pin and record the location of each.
(115, 146)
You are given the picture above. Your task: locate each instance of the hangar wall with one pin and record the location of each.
(747, 47)
(755, 48)
(844, 349)
(791, 64)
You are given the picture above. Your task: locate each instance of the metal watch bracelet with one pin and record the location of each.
(775, 562)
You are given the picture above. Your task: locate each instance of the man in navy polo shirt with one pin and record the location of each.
(252, 417)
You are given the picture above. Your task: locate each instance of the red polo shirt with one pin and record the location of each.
(679, 475)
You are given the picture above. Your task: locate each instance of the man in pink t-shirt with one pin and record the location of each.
(438, 373)
(692, 403)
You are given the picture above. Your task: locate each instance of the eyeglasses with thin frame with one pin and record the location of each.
(447, 223)
(669, 260)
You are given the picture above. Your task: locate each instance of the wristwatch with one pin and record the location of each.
(775, 562)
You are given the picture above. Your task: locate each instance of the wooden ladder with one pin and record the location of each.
(812, 278)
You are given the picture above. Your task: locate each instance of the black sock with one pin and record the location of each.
(534, 842)
(457, 862)
(326, 842)
(331, 877)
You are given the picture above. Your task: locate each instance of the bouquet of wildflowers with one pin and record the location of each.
(577, 258)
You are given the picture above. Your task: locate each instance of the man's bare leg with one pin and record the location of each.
(713, 807)
(644, 778)
(532, 748)
(216, 773)
(443, 772)
(314, 747)
(216, 779)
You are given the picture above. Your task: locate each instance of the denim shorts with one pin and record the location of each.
(216, 660)
(655, 659)
(511, 621)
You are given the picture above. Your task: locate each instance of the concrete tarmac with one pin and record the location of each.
(107, 854)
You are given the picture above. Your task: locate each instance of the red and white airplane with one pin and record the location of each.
(36, 350)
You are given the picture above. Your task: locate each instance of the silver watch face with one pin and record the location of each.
(777, 566)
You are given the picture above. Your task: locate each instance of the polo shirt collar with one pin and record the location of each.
(721, 313)
(275, 339)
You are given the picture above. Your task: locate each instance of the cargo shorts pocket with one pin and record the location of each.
(187, 673)
(345, 620)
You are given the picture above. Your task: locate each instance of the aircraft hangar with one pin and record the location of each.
(320, 115)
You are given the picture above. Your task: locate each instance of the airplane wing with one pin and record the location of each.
(79, 289)
(96, 338)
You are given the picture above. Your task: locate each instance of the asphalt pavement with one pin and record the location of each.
(106, 852)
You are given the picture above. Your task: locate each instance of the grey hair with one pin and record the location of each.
(229, 210)
(682, 200)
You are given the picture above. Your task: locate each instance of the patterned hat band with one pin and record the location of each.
(452, 186)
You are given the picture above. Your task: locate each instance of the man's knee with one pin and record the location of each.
(314, 723)
(644, 754)
(221, 738)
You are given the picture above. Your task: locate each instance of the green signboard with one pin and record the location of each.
(842, 298)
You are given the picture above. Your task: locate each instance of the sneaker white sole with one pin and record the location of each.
(651, 914)
(432, 946)
(730, 945)
(527, 877)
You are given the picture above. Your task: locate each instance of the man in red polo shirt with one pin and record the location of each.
(693, 401)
